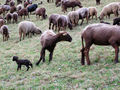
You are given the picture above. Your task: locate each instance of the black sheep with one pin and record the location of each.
(21, 62)
(32, 8)
(116, 21)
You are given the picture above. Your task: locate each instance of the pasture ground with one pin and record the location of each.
(65, 71)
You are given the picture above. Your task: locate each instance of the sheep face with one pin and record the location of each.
(38, 31)
(15, 58)
(66, 37)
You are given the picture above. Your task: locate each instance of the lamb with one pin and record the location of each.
(92, 12)
(15, 17)
(23, 12)
(70, 3)
(21, 62)
(111, 8)
(74, 17)
(62, 22)
(83, 13)
(116, 21)
(100, 34)
(53, 20)
(8, 17)
(49, 40)
(5, 32)
(41, 12)
(27, 28)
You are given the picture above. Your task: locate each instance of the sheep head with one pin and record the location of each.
(38, 31)
(15, 58)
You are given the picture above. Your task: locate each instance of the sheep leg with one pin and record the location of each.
(24, 35)
(87, 55)
(53, 26)
(49, 25)
(82, 21)
(50, 56)
(19, 67)
(27, 68)
(3, 37)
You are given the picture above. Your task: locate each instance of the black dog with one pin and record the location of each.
(21, 62)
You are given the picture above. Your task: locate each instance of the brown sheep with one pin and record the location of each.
(97, 2)
(50, 1)
(13, 9)
(23, 12)
(49, 40)
(19, 7)
(15, 17)
(2, 22)
(8, 17)
(111, 8)
(70, 3)
(12, 3)
(28, 28)
(74, 17)
(62, 22)
(100, 34)
(5, 32)
(83, 13)
(53, 20)
(92, 12)
(41, 12)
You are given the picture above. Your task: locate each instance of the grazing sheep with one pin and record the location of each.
(19, 7)
(70, 3)
(62, 22)
(5, 32)
(49, 40)
(116, 21)
(8, 17)
(111, 8)
(27, 28)
(2, 11)
(23, 12)
(32, 8)
(100, 34)
(92, 12)
(41, 12)
(15, 17)
(83, 13)
(104, 22)
(97, 2)
(53, 20)
(13, 9)
(21, 62)
(74, 17)
(12, 3)
(2, 22)
(6, 7)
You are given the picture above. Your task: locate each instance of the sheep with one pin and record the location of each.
(83, 13)
(49, 40)
(15, 17)
(7, 2)
(50, 1)
(116, 21)
(19, 2)
(2, 22)
(12, 3)
(111, 8)
(5, 32)
(100, 34)
(74, 17)
(70, 3)
(92, 12)
(23, 12)
(57, 2)
(97, 2)
(2, 11)
(62, 22)
(27, 28)
(6, 7)
(13, 9)
(53, 19)
(21, 62)
(41, 12)
(8, 17)
(25, 4)
(32, 8)
(19, 7)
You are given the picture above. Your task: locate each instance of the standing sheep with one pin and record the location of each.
(92, 12)
(5, 32)
(8, 17)
(41, 12)
(112, 8)
(49, 40)
(74, 17)
(23, 12)
(15, 17)
(27, 28)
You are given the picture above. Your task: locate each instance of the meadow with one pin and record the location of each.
(65, 72)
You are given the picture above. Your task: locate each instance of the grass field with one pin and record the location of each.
(65, 71)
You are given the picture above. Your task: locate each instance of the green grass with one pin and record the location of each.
(65, 71)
